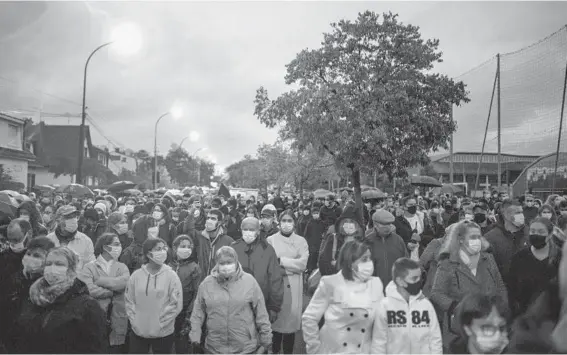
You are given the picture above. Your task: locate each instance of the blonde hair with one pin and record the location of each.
(456, 234)
(72, 258)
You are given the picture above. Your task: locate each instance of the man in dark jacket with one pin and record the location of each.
(508, 236)
(268, 217)
(530, 211)
(95, 224)
(387, 246)
(233, 220)
(259, 259)
(330, 212)
(19, 234)
(278, 203)
(314, 232)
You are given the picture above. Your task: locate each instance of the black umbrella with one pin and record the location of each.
(121, 186)
(426, 181)
(75, 190)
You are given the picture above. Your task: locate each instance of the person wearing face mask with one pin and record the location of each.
(28, 211)
(211, 240)
(420, 333)
(48, 217)
(259, 259)
(386, 245)
(94, 225)
(154, 298)
(464, 267)
(231, 304)
(118, 224)
(60, 316)
(530, 211)
(67, 234)
(19, 234)
(185, 265)
(15, 289)
(532, 268)
(268, 222)
(413, 228)
(348, 322)
(480, 217)
(346, 228)
(175, 216)
(303, 219)
(133, 256)
(314, 232)
(482, 323)
(508, 236)
(198, 212)
(162, 226)
(330, 211)
(106, 280)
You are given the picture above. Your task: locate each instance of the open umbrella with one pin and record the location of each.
(132, 192)
(121, 186)
(16, 196)
(322, 193)
(8, 204)
(426, 181)
(44, 188)
(76, 190)
(447, 189)
(373, 193)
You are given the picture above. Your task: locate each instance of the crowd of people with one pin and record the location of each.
(200, 273)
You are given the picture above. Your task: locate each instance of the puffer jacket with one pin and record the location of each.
(260, 260)
(406, 328)
(236, 318)
(189, 274)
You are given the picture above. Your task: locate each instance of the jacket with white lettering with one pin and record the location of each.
(402, 328)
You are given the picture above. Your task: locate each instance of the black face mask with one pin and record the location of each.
(413, 289)
(538, 241)
(479, 217)
(412, 209)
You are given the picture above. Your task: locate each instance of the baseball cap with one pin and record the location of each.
(67, 211)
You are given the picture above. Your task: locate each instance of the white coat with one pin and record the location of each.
(406, 328)
(349, 308)
(293, 253)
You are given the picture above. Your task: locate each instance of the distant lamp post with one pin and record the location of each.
(175, 113)
(127, 40)
(198, 164)
(193, 137)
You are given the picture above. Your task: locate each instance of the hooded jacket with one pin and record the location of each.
(406, 328)
(326, 257)
(234, 312)
(215, 239)
(385, 251)
(260, 260)
(153, 302)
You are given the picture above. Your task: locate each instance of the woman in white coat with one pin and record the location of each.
(348, 301)
(292, 252)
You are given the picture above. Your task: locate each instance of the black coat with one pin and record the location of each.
(73, 324)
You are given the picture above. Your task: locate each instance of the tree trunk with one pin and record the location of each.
(358, 194)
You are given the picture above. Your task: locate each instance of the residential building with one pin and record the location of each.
(116, 160)
(14, 159)
(55, 149)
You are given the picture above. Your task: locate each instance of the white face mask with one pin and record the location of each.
(25, 217)
(227, 269)
(197, 213)
(365, 270)
(55, 274)
(248, 236)
(210, 225)
(129, 209)
(184, 253)
(71, 225)
(159, 257)
(122, 228)
(475, 245)
(46, 218)
(32, 264)
(18, 247)
(306, 213)
(315, 215)
(519, 219)
(114, 251)
(469, 217)
(157, 215)
(546, 215)
(153, 232)
(286, 227)
(349, 228)
(493, 344)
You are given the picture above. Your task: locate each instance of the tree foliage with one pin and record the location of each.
(91, 167)
(186, 170)
(367, 96)
(7, 182)
(247, 172)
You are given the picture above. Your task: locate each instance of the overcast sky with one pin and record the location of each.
(210, 57)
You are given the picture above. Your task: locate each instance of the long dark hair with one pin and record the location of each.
(35, 219)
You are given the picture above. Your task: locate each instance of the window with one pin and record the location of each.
(124, 160)
(31, 181)
(14, 136)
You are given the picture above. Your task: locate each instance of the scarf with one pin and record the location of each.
(470, 261)
(43, 294)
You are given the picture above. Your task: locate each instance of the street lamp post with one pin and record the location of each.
(79, 179)
(155, 149)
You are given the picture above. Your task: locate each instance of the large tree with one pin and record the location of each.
(247, 172)
(367, 96)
